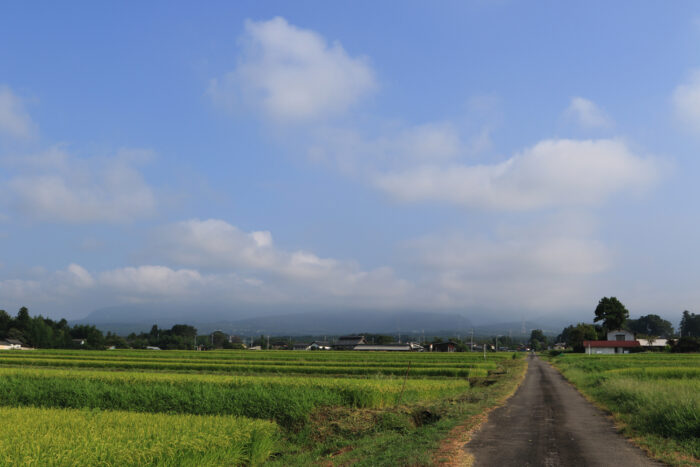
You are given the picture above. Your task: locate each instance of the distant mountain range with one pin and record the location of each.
(138, 318)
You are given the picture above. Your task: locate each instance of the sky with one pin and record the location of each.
(501, 159)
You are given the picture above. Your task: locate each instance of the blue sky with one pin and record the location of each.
(501, 159)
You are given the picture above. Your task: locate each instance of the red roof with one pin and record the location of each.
(611, 343)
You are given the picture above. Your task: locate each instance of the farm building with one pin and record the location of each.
(620, 335)
(619, 341)
(448, 346)
(609, 347)
(653, 344)
(315, 345)
(409, 347)
(10, 344)
(348, 342)
(320, 345)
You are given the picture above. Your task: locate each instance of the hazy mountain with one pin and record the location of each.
(136, 318)
(520, 328)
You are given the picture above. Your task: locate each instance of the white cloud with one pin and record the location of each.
(587, 114)
(215, 244)
(686, 101)
(14, 120)
(56, 186)
(293, 74)
(17, 290)
(212, 261)
(79, 276)
(159, 281)
(74, 289)
(550, 174)
(545, 267)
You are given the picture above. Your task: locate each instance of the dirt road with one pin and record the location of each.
(548, 423)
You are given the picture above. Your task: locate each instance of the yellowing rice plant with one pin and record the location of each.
(227, 408)
(61, 437)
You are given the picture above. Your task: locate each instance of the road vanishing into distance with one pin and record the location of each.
(548, 423)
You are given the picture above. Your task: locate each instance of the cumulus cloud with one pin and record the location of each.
(158, 281)
(56, 186)
(550, 174)
(291, 74)
(75, 289)
(541, 268)
(217, 245)
(211, 261)
(78, 275)
(14, 119)
(686, 101)
(587, 114)
(548, 265)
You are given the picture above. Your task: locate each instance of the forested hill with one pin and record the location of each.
(136, 318)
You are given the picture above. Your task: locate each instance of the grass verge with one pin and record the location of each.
(654, 399)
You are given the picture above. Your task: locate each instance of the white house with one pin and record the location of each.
(619, 341)
(10, 344)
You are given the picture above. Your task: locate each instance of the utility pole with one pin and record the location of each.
(471, 345)
(268, 342)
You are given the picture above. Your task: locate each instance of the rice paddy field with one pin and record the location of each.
(134, 407)
(655, 397)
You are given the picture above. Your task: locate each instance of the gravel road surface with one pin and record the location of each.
(548, 423)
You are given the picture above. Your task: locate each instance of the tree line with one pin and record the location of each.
(45, 333)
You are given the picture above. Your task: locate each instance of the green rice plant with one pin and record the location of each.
(243, 367)
(60, 437)
(251, 359)
(299, 357)
(657, 372)
(288, 400)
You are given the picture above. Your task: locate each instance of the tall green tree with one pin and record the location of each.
(23, 320)
(650, 325)
(538, 340)
(690, 324)
(574, 335)
(5, 319)
(611, 312)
